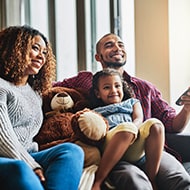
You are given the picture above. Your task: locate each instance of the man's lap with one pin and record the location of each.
(171, 176)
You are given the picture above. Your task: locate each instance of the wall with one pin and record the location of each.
(151, 42)
(179, 27)
(162, 44)
(179, 16)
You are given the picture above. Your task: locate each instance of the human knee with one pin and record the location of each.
(128, 127)
(125, 135)
(75, 150)
(126, 131)
(157, 129)
(71, 151)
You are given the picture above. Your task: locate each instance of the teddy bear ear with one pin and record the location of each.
(89, 126)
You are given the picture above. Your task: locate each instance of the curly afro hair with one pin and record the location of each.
(15, 46)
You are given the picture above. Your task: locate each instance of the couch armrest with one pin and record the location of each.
(180, 142)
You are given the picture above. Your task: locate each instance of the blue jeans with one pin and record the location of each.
(62, 165)
(17, 175)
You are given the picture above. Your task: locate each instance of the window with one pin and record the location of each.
(73, 27)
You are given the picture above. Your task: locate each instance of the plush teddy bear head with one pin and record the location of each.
(64, 99)
(62, 102)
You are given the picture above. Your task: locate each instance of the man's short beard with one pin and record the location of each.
(113, 65)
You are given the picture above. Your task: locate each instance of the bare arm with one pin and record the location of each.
(183, 117)
(137, 115)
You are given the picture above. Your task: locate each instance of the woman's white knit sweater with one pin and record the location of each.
(20, 120)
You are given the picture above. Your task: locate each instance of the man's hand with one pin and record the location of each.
(186, 101)
(183, 117)
(184, 98)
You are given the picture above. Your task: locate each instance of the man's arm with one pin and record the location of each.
(183, 117)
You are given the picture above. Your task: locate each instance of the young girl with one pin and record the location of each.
(27, 68)
(128, 138)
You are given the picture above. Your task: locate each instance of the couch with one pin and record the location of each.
(179, 142)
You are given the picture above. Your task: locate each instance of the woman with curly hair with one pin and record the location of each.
(27, 69)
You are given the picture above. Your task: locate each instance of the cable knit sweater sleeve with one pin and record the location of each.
(20, 121)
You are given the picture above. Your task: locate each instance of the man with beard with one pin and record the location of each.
(110, 52)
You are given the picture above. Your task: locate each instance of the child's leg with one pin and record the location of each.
(150, 142)
(154, 145)
(117, 142)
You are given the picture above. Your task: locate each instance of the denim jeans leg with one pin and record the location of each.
(63, 165)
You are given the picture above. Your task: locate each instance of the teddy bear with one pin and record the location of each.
(68, 118)
(58, 108)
